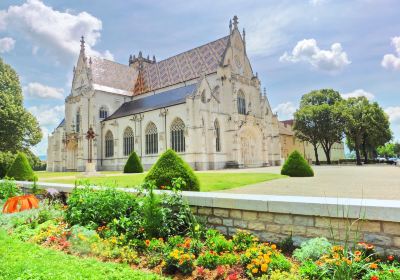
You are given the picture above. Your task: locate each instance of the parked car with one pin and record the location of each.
(381, 159)
(392, 160)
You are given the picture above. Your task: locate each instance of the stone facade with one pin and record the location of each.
(275, 227)
(224, 93)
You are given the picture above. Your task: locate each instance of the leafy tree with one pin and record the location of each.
(387, 150)
(366, 126)
(21, 170)
(296, 166)
(133, 164)
(319, 121)
(18, 128)
(170, 166)
(397, 148)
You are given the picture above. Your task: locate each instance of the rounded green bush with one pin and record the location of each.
(21, 170)
(133, 164)
(170, 166)
(296, 166)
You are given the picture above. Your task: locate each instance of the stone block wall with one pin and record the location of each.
(275, 227)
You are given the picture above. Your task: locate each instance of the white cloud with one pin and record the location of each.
(307, 50)
(37, 90)
(392, 61)
(48, 115)
(394, 118)
(6, 44)
(57, 33)
(317, 2)
(285, 110)
(41, 148)
(357, 93)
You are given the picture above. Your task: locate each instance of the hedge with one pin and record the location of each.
(133, 164)
(170, 166)
(296, 166)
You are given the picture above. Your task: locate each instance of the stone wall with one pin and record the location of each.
(275, 227)
(273, 218)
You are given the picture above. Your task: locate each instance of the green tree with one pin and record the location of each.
(366, 126)
(296, 166)
(18, 128)
(397, 149)
(387, 150)
(133, 164)
(319, 121)
(170, 166)
(21, 170)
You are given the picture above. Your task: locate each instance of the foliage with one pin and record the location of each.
(19, 129)
(6, 159)
(312, 249)
(21, 170)
(180, 260)
(387, 150)
(153, 215)
(20, 203)
(95, 208)
(296, 166)
(170, 166)
(217, 242)
(208, 259)
(287, 245)
(133, 164)
(257, 259)
(8, 188)
(310, 270)
(243, 240)
(41, 263)
(319, 120)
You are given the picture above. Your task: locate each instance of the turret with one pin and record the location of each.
(140, 61)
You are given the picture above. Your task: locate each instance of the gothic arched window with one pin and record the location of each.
(216, 93)
(217, 136)
(128, 141)
(109, 140)
(203, 96)
(78, 121)
(103, 112)
(241, 103)
(177, 135)
(151, 134)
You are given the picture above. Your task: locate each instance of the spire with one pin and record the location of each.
(82, 44)
(244, 38)
(235, 22)
(154, 58)
(265, 92)
(230, 26)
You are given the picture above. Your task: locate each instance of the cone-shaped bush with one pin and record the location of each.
(297, 166)
(133, 164)
(170, 166)
(21, 170)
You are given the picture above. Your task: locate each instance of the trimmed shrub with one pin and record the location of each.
(312, 249)
(133, 164)
(21, 170)
(6, 159)
(296, 166)
(170, 166)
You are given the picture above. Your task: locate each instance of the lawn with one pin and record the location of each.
(212, 181)
(22, 260)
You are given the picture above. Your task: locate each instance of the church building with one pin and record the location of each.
(206, 104)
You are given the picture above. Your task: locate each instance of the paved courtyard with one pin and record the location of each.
(374, 181)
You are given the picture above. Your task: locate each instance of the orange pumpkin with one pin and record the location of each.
(20, 203)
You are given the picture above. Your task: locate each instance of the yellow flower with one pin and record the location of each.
(249, 266)
(264, 267)
(254, 270)
(273, 246)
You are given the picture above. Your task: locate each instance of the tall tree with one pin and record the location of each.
(324, 117)
(306, 128)
(19, 129)
(365, 124)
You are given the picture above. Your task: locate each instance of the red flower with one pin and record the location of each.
(200, 270)
(220, 270)
(390, 258)
(374, 277)
(391, 271)
(234, 276)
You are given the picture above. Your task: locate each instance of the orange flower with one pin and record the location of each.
(373, 266)
(147, 242)
(357, 253)
(370, 246)
(390, 258)
(273, 246)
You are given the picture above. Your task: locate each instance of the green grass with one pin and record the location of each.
(213, 181)
(22, 260)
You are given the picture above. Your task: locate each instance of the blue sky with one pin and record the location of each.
(295, 46)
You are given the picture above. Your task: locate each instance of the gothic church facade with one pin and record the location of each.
(206, 104)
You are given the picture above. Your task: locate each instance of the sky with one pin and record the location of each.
(296, 46)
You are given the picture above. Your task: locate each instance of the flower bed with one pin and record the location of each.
(159, 233)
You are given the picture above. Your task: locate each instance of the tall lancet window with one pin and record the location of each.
(78, 121)
(217, 136)
(128, 141)
(151, 135)
(241, 103)
(109, 140)
(178, 135)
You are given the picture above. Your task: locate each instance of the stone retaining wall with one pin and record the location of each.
(273, 218)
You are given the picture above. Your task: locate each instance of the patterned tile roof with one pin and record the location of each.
(182, 67)
(112, 74)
